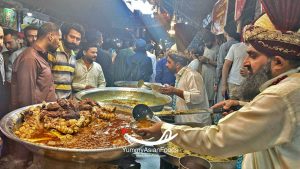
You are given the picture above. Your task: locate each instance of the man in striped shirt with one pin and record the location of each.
(63, 62)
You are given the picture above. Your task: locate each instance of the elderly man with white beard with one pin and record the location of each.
(266, 130)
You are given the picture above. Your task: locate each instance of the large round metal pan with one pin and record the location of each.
(154, 100)
(14, 119)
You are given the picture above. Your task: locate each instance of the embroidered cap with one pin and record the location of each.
(263, 36)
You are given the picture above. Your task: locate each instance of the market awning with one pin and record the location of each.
(93, 13)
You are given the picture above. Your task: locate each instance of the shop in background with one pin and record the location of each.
(8, 18)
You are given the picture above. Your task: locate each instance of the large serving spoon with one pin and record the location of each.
(142, 111)
(142, 83)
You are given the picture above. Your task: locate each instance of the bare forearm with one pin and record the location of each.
(225, 72)
(225, 75)
(178, 93)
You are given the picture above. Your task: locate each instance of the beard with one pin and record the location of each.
(209, 45)
(249, 88)
(52, 49)
(172, 70)
(28, 44)
(71, 46)
(89, 59)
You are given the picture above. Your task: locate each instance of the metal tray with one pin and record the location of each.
(154, 100)
(14, 118)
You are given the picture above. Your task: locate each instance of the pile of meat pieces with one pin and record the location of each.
(67, 109)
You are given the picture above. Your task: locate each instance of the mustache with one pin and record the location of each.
(249, 68)
(249, 88)
(89, 59)
(71, 46)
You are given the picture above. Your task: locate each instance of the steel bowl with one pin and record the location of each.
(169, 158)
(15, 118)
(154, 100)
(192, 162)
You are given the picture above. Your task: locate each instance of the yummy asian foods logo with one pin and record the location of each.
(148, 151)
(165, 138)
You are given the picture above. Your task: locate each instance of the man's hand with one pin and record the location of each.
(227, 104)
(224, 89)
(203, 59)
(169, 90)
(89, 87)
(154, 131)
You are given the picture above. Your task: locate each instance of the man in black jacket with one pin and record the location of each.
(139, 66)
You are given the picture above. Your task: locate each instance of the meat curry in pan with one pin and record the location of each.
(73, 124)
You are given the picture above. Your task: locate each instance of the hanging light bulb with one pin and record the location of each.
(173, 22)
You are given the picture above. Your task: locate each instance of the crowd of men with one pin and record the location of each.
(69, 60)
(56, 62)
(45, 67)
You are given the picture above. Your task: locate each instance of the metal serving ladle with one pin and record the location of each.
(142, 83)
(142, 111)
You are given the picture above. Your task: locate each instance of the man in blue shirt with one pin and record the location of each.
(163, 75)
